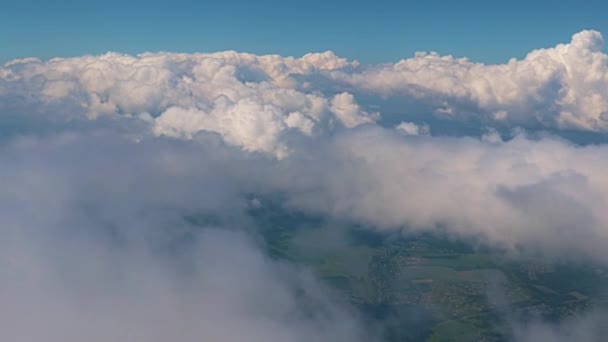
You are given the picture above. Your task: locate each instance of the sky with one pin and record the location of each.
(385, 31)
(106, 158)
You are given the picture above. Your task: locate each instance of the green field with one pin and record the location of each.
(430, 287)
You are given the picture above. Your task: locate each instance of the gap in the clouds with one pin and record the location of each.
(414, 285)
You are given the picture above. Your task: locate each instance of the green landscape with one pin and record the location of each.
(429, 286)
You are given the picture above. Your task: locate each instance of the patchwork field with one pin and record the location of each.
(433, 287)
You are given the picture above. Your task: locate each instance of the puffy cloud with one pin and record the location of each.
(245, 123)
(247, 99)
(558, 87)
(410, 128)
(282, 105)
(349, 112)
(232, 93)
(102, 157)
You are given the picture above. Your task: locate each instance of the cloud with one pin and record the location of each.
(410, 128)
(235, 94)
(313, 115)
(349, 112)
(228, 291)
(95, 246)
(247, 99)
(560, 87)
(546, 195)
(103, 157)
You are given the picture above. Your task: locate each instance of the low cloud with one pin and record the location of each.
(96, 245)
(103, 159)
(544, 195)
(222, 289)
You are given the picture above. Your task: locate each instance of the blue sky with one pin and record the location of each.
(379, 31)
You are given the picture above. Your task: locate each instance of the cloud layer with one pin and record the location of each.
(255, 101)
(546, 195)
(95, 246)
(103, 157)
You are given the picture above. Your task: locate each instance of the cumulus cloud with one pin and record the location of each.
(247, 99)
(234, 94)
(559, 87)
(102, 158)
(350, 113)
(410, 128)
(508, 192)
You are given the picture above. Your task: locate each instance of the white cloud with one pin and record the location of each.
(234, 93)
(349, 112)
(282, 105)
(229, 291)
(557, 87)
(537, 195)
(247, 99)
(410, 128)
(101, 158)
(94, 247)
